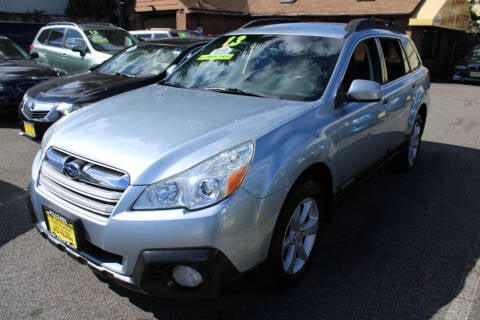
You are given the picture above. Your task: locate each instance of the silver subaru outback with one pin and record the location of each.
(176, 188)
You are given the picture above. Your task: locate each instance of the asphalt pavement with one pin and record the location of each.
(403, 246)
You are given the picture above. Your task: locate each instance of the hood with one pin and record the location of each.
(85, 87)
(155, 132)
(12, 70)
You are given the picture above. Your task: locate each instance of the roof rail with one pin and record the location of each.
(99, 24)
(77, 25)
(266, 22)
(61, 22)
(365, 23)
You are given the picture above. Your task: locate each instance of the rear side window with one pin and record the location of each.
(160, 35)
(43, 36)
(56, 37)
(411, 54)
(395, 61)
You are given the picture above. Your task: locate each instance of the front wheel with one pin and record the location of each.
(296, 234)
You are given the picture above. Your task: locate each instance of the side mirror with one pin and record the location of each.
(170, 69)
(34, 55)
(364, 91)
(79, 49)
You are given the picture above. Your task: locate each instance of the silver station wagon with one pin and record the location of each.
(175, 189)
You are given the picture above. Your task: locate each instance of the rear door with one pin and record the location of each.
(397, 92)
(54, 49)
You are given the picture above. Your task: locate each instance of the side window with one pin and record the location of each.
(43, 36)
(364, 64)
(73, 38)
(396, 63)
(56, 37)
(411, 54)
(160, 35)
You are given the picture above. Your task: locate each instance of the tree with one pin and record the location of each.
(102, 10)
(475, 14)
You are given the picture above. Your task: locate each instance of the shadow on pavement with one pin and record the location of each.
(9, 121)
(400, 247)
(14, 217)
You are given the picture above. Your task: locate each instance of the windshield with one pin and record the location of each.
(110, 39)
(10, 50)
(280, 66)
(141, 60)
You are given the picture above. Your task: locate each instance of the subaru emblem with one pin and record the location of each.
(72, 170)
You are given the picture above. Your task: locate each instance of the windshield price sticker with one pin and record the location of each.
(223, 53)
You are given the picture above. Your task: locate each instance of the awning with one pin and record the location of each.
(448, 14)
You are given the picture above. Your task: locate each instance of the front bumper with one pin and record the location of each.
(138, 249)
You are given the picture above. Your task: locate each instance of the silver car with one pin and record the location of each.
(175, 189)
(75, 47)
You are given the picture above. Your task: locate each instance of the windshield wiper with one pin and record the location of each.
(237, 91)
(125, 74)
(173, 84)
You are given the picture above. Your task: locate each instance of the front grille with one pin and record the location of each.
(96, 188)
(24, 86)
(34, 114)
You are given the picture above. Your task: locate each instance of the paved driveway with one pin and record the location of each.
(400, 247)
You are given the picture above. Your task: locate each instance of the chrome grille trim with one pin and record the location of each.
(34, 114)
(97, 191)
(74, 198)
(78, 187)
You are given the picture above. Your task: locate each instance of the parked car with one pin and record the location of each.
(134, 67)
(468, 69)
(77, 47)
(18, 72)
(164, 33)
(176, 189)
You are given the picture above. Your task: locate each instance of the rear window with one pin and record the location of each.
(411, 54)
(43, 36)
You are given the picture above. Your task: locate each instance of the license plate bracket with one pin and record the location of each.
(475, 74)
(62, 228)
(29, 129)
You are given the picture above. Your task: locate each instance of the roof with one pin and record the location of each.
(331, 30)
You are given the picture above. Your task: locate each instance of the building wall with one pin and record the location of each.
(23, 6)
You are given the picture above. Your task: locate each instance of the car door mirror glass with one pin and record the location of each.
(364, 91)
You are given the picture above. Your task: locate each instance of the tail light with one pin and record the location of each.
(30, 47)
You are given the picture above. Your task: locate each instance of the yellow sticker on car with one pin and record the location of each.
(29, 129)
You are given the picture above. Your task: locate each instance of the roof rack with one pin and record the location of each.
(61, 22)
(77, 25)
(266, 22)
(365, 23)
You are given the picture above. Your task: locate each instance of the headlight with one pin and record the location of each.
(202, 185)
(65, 108)
(461, 67)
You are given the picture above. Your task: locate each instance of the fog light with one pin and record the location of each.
(187, 276)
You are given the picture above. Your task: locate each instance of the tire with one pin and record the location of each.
(296, 235)
(407, 159)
